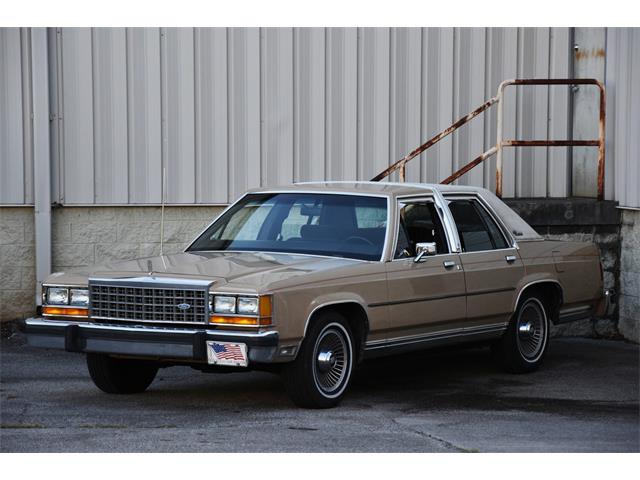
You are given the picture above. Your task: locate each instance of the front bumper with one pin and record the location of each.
(143, 341)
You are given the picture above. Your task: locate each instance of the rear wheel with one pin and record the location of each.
(117, 375)
(522, 347)
(319, 376)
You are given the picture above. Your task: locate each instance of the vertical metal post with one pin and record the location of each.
(403, 172)
(498, 145)
(41, 156)
(601, 133)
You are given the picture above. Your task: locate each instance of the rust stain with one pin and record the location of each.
(593, 53)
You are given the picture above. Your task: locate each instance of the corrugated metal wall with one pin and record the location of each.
(623, 112)
(228, 109)
(16, 155)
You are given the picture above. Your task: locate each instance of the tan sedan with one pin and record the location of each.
(308, 280)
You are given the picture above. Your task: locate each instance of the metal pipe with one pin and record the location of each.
(432, 141)
(550, 143)
(476, 161)
(500, 142)
(499, 126)
(41, 156)
(601, 133)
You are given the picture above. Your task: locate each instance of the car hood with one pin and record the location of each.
(246, 271)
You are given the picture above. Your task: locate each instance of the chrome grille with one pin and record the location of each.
(141, 303)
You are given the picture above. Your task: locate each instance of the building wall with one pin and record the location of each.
(84, 236)
(629, 323)
(17, 262)
(224, 110)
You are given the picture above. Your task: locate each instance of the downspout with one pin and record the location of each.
(41, 156)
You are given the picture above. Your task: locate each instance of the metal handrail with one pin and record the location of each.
(501, 143)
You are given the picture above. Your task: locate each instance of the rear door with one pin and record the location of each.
(492, 265)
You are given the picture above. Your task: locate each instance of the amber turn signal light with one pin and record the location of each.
(241, 321)
(65, 312)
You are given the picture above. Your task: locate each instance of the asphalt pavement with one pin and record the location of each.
(584, 399)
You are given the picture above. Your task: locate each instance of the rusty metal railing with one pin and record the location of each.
(501, 143)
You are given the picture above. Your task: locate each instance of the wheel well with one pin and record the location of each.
(356, 318)
(551, 295)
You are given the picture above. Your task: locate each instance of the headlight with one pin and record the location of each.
(65, 302)
(224, 304)
(240, 310)
(57, 296)
(79, 297)
(248, 305)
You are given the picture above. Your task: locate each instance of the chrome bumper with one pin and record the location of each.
(143, 341)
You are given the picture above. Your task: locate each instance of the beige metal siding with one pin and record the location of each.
(224, 110)
(16, 159)
(623, 115)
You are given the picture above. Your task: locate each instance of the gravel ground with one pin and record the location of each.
(584, 399)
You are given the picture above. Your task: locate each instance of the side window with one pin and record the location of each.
(476, 228)
(419, 222)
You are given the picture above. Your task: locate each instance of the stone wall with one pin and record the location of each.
(629, 298)
(17, 263)
(581, 220)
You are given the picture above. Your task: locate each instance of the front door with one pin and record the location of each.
(426, 296)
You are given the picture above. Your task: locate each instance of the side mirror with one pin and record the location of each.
(425, 249)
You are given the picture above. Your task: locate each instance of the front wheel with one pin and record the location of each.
(117, 375)
(319, 376)
(522, 347)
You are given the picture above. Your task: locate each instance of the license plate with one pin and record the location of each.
(227, 353)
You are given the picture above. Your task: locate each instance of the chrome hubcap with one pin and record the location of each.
(326, 361)
(531, 330)
(331, 360)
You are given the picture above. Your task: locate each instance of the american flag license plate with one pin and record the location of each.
(227, 353)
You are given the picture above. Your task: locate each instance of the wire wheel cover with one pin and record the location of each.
(331, 360)
(531, 330)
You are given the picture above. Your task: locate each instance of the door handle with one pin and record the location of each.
(510, 258)
(449, 263)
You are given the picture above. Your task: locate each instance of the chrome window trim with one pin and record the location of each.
(508, 237)
(263, 252)
(385, 246)
(450, 233)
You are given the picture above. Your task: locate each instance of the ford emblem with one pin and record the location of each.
(184, 306)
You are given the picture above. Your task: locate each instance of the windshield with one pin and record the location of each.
(311, 223)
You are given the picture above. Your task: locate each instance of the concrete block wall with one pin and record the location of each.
(629, 298)
(84, 236)
(17, 262)
(94, 235)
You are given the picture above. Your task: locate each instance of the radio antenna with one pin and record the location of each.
(164, 194)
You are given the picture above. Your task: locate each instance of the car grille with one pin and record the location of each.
(137, 303)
